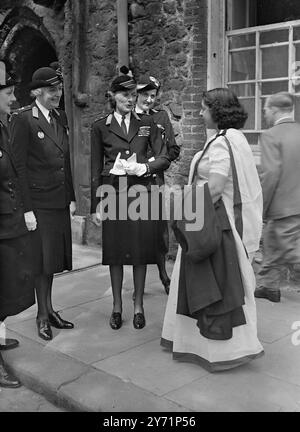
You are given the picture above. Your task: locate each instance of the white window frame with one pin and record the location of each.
(290, 25)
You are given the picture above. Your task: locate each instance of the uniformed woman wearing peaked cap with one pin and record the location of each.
(116, 141)
(16, 276)
(39, 136)
(148, 89)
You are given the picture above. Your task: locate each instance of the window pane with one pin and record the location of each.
(242, 90)
(242, 66)
(275, 62)
(296, 32)
(263, 122)
(252, 138)
(269, 88)
(249, 105)
(274, 36)
(242, 41)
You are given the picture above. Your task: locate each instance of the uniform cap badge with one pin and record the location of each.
(41, 135)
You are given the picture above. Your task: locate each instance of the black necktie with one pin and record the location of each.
(52, 122)
(123, 125)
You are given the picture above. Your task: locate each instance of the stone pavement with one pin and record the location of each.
(94, 368)
(24, 400)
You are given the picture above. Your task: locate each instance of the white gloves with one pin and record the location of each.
(135, 168)
(129, 166)
(30, 221)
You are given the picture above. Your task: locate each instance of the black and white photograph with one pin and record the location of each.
(149, 209)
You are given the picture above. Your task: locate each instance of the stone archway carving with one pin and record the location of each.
(26, 45)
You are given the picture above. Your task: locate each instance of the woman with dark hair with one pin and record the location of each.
(227, 168)
(16, 275)
(120, 142)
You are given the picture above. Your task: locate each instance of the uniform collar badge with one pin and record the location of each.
(108, 120)
(41, 135)
(35, 112)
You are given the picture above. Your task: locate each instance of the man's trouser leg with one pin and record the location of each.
(270, 272)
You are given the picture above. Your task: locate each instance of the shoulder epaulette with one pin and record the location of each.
(22, 109)
(103, 117)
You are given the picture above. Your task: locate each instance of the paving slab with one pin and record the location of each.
(85, 256)
(81, 287)
(238, 390)
(41, 368)
(281, 360)
(93, 339)
(28, 328)
(24, 400)
(150, 367)
(102, 392)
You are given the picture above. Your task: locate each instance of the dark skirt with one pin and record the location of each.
(132, 242)
(16, 275)
(52, 241)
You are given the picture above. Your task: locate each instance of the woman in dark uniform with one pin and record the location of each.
(148, 89)
(16, 276)
(116, 138)
(39, 136)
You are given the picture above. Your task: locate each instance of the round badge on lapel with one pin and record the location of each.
(41, 135)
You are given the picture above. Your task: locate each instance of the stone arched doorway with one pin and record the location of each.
(27, 52)
(25, 46)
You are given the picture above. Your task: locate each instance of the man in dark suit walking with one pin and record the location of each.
(280, 161)
(39, 137)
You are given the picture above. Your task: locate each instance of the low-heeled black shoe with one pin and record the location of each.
(139, 321)
(56, 321)
(7, 379)
(44, 329)
(9, 344)
(116, 320)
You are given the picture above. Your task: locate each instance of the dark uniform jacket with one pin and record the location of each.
(161, 119)
(108, 139)
(12, 222)
(43, 158)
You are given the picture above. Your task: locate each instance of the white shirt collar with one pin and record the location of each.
(118, 117)
(283, 118)
(44, 110)
(138, 110)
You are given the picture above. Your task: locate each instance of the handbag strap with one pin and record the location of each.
(237, 199)
(203, 153)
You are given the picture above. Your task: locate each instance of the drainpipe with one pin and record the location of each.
(122, 13)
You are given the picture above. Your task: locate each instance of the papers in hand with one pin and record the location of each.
(120, 165)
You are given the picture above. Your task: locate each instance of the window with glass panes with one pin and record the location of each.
(261, 61)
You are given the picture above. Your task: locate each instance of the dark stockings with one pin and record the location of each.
(43, 289)
(116, 277)
(139, 277)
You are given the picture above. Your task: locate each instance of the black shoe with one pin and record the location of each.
(139, 321)
(166, 283)
(7, 379)
(56, 321)
(44, 329)
(273, 296)
(9, 344)
(115, 320)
